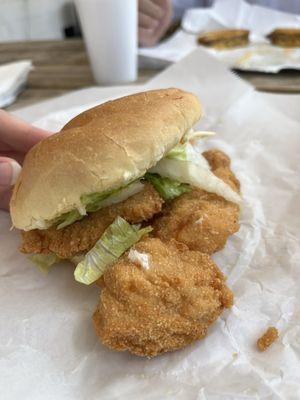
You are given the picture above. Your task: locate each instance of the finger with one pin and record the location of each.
(147, 22)
(19, 157)
(161, 3)
(5, 147)
(18, 134)
(9, 172)
(5, 195)
(164, 23)
(151, 9)
(146, 37)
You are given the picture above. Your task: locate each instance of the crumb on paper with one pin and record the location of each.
(235, 355)
(267, 338)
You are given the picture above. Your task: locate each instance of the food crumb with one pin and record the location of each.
(267, 338)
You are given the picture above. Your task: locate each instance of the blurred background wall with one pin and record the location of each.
(36, 19)
(56, 19)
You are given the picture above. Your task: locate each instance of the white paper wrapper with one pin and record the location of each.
(76, 101)
(259, 55)
(48, 346)
(13, 77)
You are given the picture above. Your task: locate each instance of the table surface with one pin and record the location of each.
(61, 66)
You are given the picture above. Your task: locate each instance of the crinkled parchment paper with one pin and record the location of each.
(259, 55)
(48, 346)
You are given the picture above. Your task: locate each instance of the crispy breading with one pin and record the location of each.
(220, 166)
(161, 306)
(267, 338)
(82, 235)
(202, 220)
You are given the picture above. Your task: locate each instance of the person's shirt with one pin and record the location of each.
(292, 6)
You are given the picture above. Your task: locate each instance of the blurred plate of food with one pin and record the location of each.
(245, 37)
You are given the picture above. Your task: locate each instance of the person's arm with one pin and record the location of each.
(16, 138)
(155, 17)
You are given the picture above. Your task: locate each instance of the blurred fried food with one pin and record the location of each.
(285, 37)
(225, 38)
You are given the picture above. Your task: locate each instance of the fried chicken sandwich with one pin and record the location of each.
(90, 194)
(285, 37)
(224, 38)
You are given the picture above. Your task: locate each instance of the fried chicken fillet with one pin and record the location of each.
(159, 297)
(201, 220)
(82, 235)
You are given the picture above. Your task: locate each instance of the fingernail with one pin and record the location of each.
(9, 172)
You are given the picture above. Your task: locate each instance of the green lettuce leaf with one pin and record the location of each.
(44, 261)
(195, 175)
(179, 152)
(116, 239)
(95, 201)
(166, 187)
(68, 219)
(187, 152)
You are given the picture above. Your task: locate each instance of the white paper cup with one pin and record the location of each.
(110, 32)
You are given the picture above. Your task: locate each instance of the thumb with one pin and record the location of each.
(9, 172)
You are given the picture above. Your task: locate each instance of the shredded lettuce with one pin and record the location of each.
(92, 201)
(178, 152)
(116, 239)
(95, 201)
(195, 175)
(166, 187)
(68, 219)
(192, 135)
(44, 261)
(184, 164)
(186, 152)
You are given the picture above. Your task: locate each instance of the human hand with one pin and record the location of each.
(16, 138)
(155, 17)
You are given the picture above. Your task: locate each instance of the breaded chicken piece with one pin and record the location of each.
(201, 220)
(220, 165)
(159, 297)
(82, 235)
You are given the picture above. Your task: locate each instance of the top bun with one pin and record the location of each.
(101, 149)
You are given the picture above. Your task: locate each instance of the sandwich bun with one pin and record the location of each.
(101, 149)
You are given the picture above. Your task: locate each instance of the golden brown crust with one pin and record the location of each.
(201, 220)
(225, 38)
(220, 164)
(267, 338)
(99, 150)
(82, 235)
(285, 37)
(162, 308)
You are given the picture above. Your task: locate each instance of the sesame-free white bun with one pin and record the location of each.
(101, 149)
